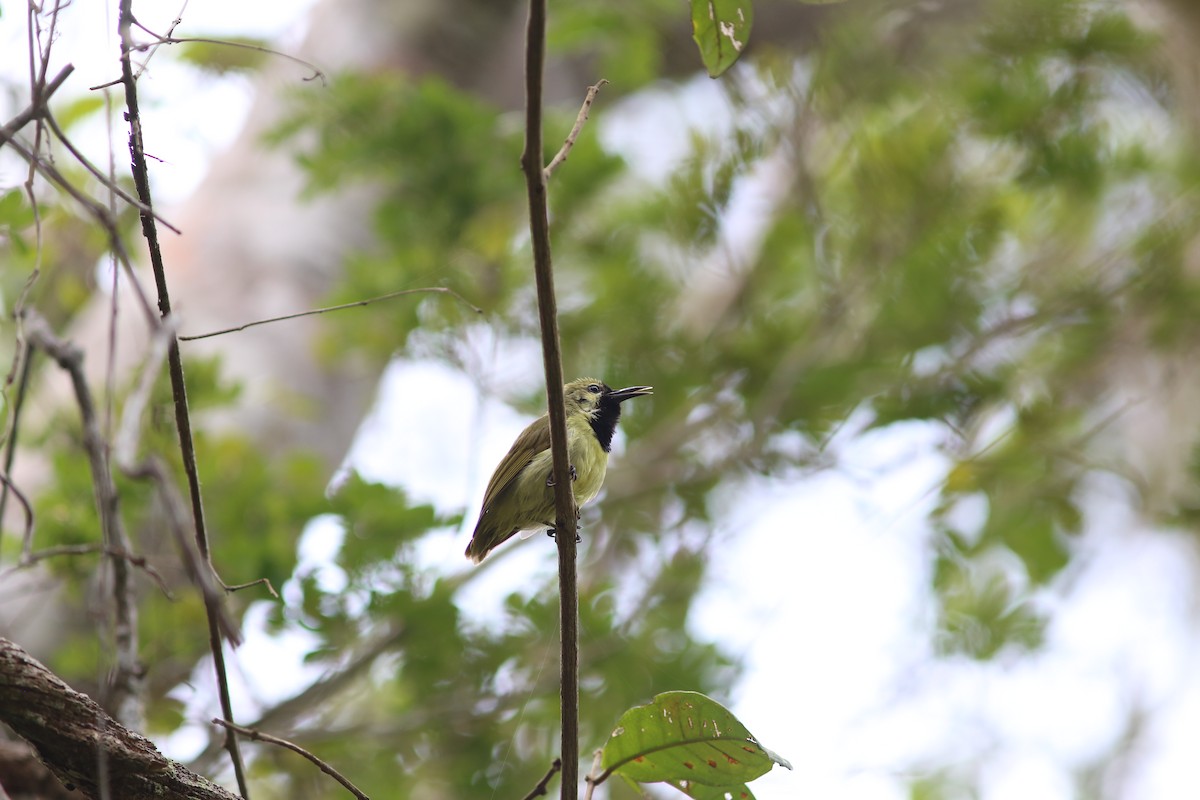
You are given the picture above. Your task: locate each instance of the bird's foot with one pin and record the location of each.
(574, 476)
(554, 535)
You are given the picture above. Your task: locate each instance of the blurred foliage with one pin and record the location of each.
(972, 208)
(221, 54)
(253, 528)
(941, 248)
(621, 39)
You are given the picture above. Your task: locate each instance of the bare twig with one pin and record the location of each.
(316, 693)
(102, 216)
(25, 355)
(30, 558)
(239, 586)
(198, 570)
(318, 73)
(125, 449)
(9, 486)
(110, 184)
(582, 118)
(327, 309)
(541, 788)
(564, 496)
(170, 32)
(37, 108)
(125, 444)
(183, 423)
(259, 736)
(128, 680)
(593, 778)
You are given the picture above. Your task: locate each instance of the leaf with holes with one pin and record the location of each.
(686, 738)
(721, 29)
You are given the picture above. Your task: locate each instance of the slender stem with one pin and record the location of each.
(322, 765)
(564, 496)
(10, 446)
(576, 129)
(178, 385)
(592, 780)
(327, 309)
(543, 786)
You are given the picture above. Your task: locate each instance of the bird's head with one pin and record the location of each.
(589, 395)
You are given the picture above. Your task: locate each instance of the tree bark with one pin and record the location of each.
(83, 746)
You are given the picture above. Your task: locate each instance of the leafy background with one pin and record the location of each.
(937, 261)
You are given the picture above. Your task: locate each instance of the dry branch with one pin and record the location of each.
(128, 679)
(37, 108)
(70, 730)
(580, 119)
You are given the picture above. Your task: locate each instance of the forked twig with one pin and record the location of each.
(594, 777)
(35, 109)
(259, 736)
(110, 184)
(89, 548)
(102, 216)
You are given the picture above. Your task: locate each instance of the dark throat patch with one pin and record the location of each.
(604, 424)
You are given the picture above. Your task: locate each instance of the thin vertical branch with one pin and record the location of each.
(128, 681)
(14, 424)
(175, 368)
(564, 495)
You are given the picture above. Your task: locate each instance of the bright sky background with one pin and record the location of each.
(832, 568)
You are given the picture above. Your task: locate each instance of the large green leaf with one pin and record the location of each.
(685, 737)
(721, 28)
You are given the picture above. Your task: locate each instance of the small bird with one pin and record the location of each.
(520, 495)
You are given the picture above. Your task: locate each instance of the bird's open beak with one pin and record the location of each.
(621, 395)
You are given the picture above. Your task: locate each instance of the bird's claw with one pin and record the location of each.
(553, 535)
(574, 476)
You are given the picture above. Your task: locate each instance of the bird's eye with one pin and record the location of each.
(594, 388)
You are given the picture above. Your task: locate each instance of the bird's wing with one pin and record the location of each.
(533, 440)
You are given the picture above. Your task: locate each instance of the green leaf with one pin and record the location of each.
(721, 29)
(686, 738)
(699, 791)
(15, 212)
(77, 110)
